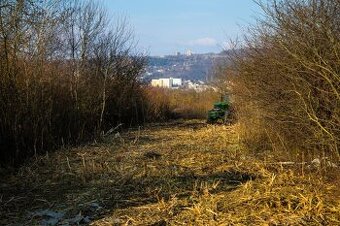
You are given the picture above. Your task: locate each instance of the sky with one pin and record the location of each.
(164, 27)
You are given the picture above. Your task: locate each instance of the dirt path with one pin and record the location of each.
(185, 173)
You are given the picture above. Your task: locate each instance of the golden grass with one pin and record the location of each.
(185, 173)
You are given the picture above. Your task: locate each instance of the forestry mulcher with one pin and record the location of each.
(220, 112)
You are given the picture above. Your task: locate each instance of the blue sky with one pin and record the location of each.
(164, 27)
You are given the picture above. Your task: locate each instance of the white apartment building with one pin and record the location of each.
(167, 82)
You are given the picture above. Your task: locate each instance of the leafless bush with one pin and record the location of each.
(285, 81)
(67, 74)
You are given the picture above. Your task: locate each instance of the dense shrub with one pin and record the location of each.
(285, 82)
(67, 74)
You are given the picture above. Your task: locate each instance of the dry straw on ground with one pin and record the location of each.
(185, 173)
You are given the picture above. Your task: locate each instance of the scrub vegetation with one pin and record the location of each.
(286, 80)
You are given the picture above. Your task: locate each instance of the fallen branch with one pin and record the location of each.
(112, 130)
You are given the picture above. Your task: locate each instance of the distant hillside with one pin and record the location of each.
(189, 67)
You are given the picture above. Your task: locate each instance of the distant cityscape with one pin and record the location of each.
(182, 71)
(178, 83)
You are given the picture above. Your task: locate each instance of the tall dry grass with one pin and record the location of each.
(173, 104)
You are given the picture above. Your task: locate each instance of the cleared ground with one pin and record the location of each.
(181, 173)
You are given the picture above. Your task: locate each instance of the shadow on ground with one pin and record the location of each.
(150, 189)
(123, 175)
(74, 193)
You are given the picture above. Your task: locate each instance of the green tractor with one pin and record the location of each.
(219, 112)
